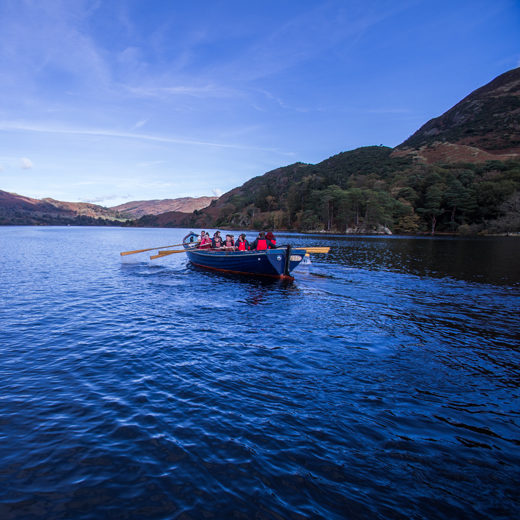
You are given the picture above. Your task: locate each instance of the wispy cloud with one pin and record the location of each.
(46, 38)
(310, 33)
(101, 199)
(25, 163)
(139, 124)
(50, 129)
(206, 91)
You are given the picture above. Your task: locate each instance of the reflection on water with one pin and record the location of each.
(486, 260)
(382, 383)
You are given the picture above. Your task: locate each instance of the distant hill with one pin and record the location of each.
(459, 172)
(138, 208)
(19, 210)
(84, 209)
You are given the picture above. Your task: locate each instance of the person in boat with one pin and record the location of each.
(229, 244)
(261, 243)
(205, 240)
(242, 244)
(217, 240)
(272, 239)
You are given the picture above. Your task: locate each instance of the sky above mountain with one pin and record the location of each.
(111, 101)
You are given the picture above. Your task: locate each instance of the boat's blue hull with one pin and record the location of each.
(257, 263)
(272, 262)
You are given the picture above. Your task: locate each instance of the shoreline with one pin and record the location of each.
(511, 234)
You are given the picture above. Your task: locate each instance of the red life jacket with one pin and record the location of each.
(273, 241)
(242, 246)
(261, 244)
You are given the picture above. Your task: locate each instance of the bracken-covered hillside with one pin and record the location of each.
(488, 119)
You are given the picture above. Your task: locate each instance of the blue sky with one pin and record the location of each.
(117, 100)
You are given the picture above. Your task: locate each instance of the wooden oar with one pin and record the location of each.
(124, 253)
(315, 249)
(162, 254)
(324, 249)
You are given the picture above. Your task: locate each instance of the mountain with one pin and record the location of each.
(459, 172)
(84, 209)
(19, 210)
(138, 208)
(483, 126)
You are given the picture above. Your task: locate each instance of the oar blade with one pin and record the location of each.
(323, 250)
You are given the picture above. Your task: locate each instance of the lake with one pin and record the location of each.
(383, 382)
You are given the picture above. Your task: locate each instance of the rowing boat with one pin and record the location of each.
(275, 263)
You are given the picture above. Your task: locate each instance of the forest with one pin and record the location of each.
(368, 190)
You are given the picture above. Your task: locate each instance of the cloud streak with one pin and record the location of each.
(206, 91)
(49, 129)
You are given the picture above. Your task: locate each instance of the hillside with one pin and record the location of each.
(459, 172)
(19, 210)
(483, 126)
(138, 208)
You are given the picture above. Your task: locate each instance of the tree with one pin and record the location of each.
(455, 195)
(270, 201)
(353, 204)
(432, 205)
(509, 222)
(330, 200)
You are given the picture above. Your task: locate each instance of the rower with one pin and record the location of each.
(229, 244)
(272, 239)
(205, 240)
(217, 240)
(261, 243)
(242, 244)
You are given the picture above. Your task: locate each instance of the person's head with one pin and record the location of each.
(202, 233)
(242, 237)
(261, 234)
(269, 236)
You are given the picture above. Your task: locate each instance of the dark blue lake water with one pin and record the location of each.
(383, 382)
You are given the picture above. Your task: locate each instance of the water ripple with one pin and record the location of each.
(382, 383)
